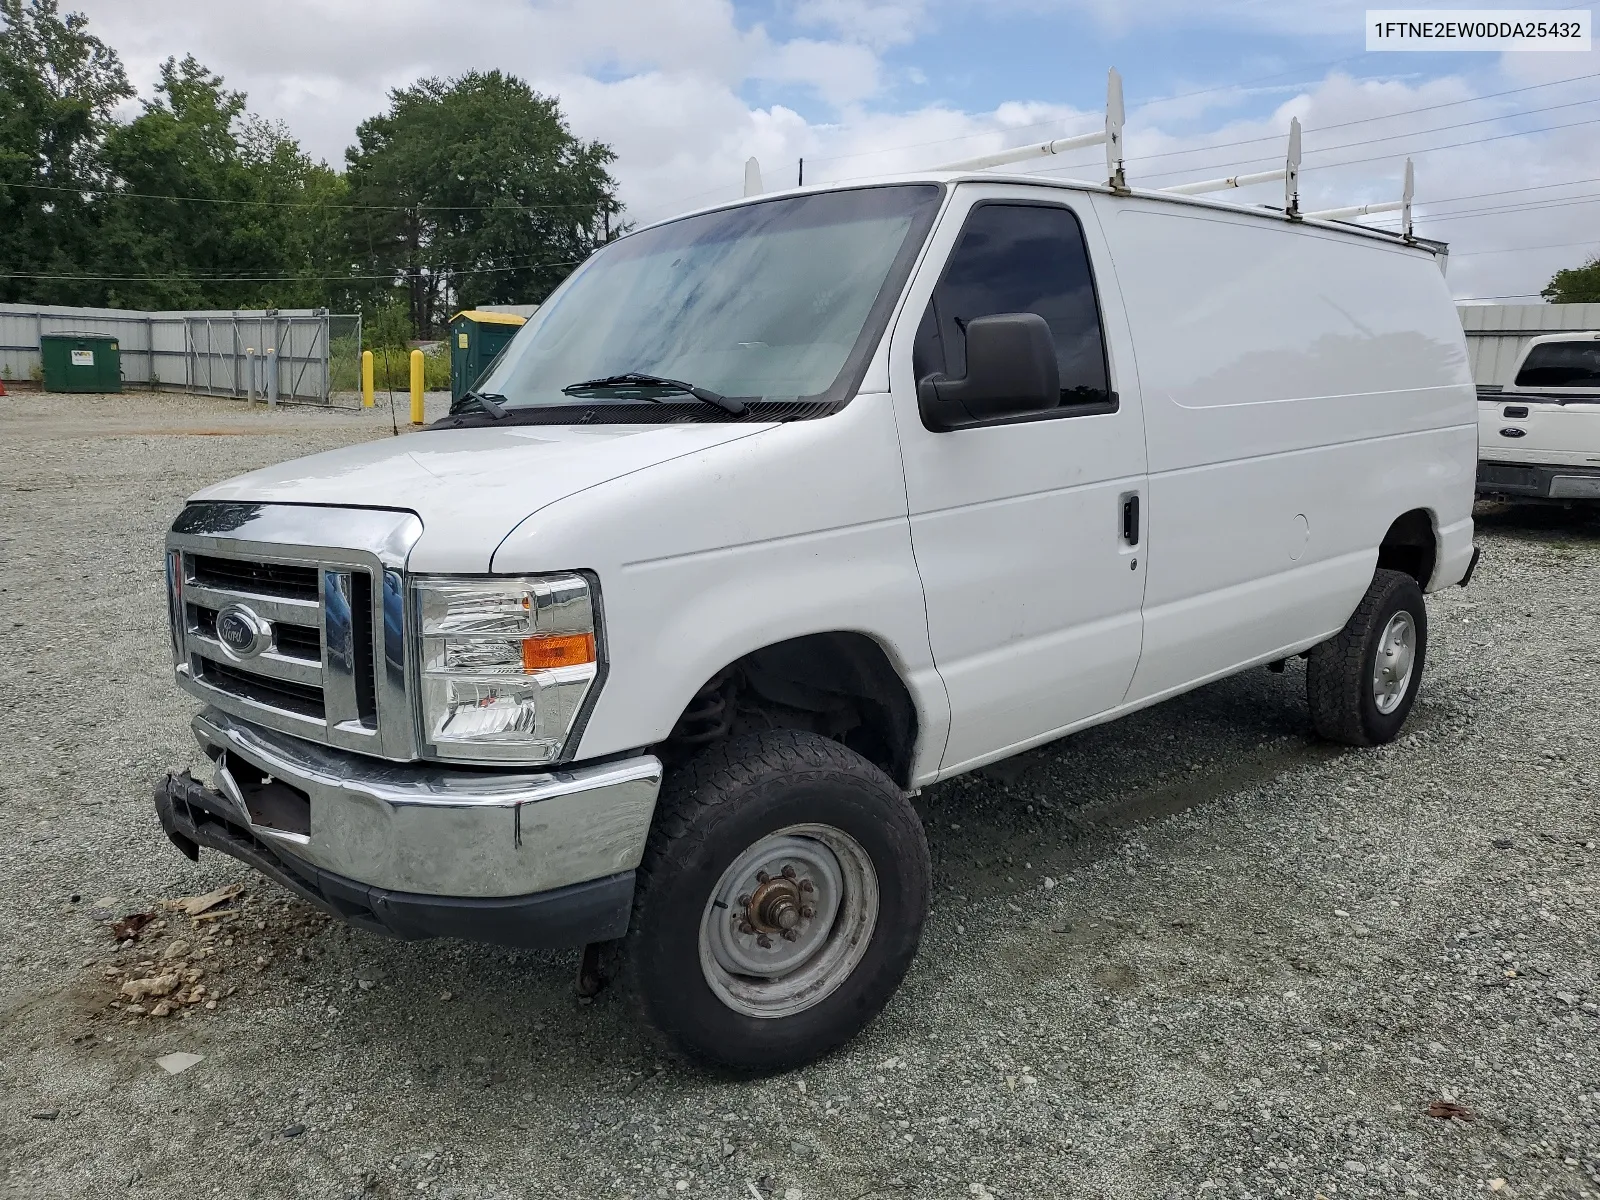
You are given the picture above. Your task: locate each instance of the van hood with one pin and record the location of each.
(471, 487)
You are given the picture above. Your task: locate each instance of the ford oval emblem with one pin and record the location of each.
(1511, 431)
(242, 633)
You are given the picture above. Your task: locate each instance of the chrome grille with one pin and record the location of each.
(287, 634)
(306, 669)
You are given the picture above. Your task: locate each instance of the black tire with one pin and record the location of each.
(711, 811)
(1339, 675)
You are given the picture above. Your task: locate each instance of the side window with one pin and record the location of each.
(1015, 258)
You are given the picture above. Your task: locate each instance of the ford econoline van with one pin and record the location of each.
(778, 512)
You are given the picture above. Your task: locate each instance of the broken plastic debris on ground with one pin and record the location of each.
(189, 953)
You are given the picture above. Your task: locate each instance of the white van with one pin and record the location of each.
(777, 513)
(1539, 436)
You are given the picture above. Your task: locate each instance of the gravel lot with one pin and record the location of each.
(1191, 953)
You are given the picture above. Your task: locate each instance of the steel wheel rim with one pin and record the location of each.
(1396, 660)
(789, 975)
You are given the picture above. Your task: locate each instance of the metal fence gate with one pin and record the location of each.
(290, 356)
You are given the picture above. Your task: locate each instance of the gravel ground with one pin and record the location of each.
(1194, 952)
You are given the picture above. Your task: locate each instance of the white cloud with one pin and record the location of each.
(877, 23)
(685, 91)
(1309, 18)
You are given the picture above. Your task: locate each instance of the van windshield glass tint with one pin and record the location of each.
(767, 301)
(1562, 365)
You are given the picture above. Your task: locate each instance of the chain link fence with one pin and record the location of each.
(344, 360)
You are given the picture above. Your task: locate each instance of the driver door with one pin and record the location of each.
(1027, 529)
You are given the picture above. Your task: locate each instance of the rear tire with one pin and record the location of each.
(1362, 683)
(775, 834)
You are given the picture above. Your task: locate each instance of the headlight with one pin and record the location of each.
(506, 665)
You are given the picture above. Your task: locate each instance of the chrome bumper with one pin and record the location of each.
(430, 830)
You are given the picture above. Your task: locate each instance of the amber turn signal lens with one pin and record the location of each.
(561, 650)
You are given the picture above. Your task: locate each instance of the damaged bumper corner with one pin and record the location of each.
(535, 860)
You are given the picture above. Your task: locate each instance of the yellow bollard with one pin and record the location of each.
(366, 379)
(416, 387)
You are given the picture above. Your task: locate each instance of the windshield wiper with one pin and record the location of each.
(637, 381)
(489, 402)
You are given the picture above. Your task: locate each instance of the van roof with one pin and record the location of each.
(1264, 213)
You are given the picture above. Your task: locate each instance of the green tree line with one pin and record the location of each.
(1575, 285)
(464, 191)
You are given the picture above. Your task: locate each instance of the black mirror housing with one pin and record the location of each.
(1011, 371)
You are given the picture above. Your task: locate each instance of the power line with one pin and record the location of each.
(1412, 133)
(1405, 112)
(1502, 210)
(1218, 166)
(1533, 187)
(1521, 249)
(185, 278)
(1143, 158)
(1414, 153)
(118, 194)
(1456, 145)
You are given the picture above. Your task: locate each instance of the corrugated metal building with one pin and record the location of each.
(1498, 333)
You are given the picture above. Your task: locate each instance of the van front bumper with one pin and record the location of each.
(414, 850)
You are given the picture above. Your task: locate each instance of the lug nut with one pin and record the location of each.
(806, 885)
(764, 942)
(808, 911)
(763, 877)
(789, 935)
(788, 872)
(744, 900)
(746, 927)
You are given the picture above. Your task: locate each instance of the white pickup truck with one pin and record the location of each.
(1539, 436)
(777, 513)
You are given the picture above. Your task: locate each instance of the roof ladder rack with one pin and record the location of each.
(1116, 176)
(1110, 137)
(1402, 206)
(1289, 173)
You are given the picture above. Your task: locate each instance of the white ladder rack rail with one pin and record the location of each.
(1402, 205)
(1289, 173)
(1110, 137)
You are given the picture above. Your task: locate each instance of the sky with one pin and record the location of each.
(686, 90)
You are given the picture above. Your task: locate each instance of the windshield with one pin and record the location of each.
(774, 301)
(1562, 365)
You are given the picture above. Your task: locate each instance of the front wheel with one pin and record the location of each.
(780, 901)
(1362, 683)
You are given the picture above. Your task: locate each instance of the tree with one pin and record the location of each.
(216, 208)
(59, 87)
(474, 190)
(1575, 285)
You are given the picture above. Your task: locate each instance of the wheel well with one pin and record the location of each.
(1410, 546)
(839, 685)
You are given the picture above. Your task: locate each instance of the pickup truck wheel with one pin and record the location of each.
(779, 903)
(1362, 683)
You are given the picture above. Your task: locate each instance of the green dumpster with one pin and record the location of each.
(80, 362)
(476, 338)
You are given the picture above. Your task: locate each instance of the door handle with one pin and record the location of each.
(1130, 518)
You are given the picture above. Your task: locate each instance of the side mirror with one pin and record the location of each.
(1011, 371)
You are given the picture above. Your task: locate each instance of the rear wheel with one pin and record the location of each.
(1362, 683)
(780, 901)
